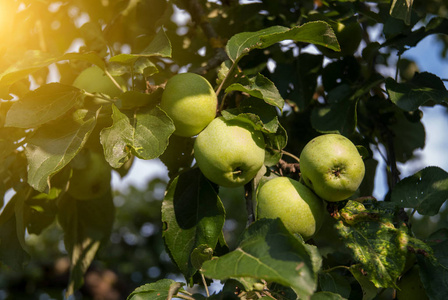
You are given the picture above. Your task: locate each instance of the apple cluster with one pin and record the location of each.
(331, 170)
(230, 153)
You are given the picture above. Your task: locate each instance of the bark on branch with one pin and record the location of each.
(199, 17)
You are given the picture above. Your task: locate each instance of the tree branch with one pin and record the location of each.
(199, 17)
(391, 159)
(249, 203)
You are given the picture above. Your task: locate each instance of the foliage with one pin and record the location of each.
(286, 68)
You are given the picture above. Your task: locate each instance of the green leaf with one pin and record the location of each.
(423, 88)
(408, 135)
(32, 61)
(319, 33)
(326, 296)
(404, 41)
(270, 252)
(178, 155)
(259, 114)
(42, 105)
(93, 36)
(159, 290)
(8, 140)
(91, 57)
(201, 254)
(13, 250)
(242, 43)
(339, 117)
(425, 191)
(369, 290)
(274, 144)
(335, 283)
(297, 77)
(374, 241)
(41, 210)
(433, 276)
(402, 9)
(143, 132)
(54, 145)
(193, 215)
(35, 60)
(433, 272)
(279, 140)
(86, 224)
(159, 46)
(316, 32)
(145, 67)
(132, 99)
(259, 87)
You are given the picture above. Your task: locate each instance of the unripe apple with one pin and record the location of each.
(190, 101)
(295, 204)
(91, 177)
(94, 80)
(229, 152)
(410, 286)
(331, 165)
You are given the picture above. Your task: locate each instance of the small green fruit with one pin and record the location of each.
(330, 165)
(91, 177)
(94, 80)
(296, 205)
(190, 101)
(410, 286)
(229, 152)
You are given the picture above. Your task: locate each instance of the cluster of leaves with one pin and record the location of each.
(46, 133)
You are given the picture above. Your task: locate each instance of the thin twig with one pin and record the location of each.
(113, 80)
(200, 18)
(396, 70)
(223, 100)
(205, 285)
(218, 90)
(335, 268)
(99, 96)
(391, 160)
(290, 155)
(217, 59)
(181, 296)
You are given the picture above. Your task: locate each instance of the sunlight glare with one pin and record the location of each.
(8, 10)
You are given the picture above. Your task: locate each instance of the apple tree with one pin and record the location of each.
(227, 94)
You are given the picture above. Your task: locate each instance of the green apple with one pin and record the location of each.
(190, 101)
(295, 204)
(229, 152)
(91, 176)
(410, 286)
(331, 165)
(94, 80)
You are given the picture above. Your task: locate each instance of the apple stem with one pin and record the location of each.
(113, 80)
(290, 155)
(99, 95)
(223, 101)
(205, 284)
(335, 268)
(237, 171)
